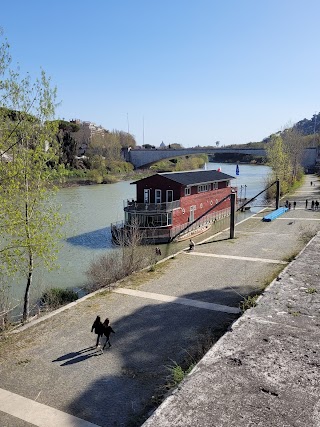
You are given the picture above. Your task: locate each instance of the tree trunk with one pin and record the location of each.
(27, 291)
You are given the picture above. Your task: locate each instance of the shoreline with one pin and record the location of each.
(136, 174)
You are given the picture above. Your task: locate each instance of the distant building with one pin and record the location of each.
(163, 146)
(84, 135)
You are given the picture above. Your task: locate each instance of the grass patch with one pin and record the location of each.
(307, 233)
(141, 277)
(311, 291)
(249, 302)
(271, 278)
(103, 293)
(23, 362)
(294, 313)
(290, 258)
(177, 374)
(296, 185)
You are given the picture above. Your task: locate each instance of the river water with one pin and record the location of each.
(93, 208)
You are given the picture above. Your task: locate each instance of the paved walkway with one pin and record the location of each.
(266, 371)
(176, 300)
(54, 363)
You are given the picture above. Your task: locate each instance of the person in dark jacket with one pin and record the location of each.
(107, 330)
(97, 327)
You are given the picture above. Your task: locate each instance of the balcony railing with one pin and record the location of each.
(132, 206)
(168, 232)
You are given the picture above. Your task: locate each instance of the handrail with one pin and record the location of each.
(200, 217)
(253, 198)
(132, 206)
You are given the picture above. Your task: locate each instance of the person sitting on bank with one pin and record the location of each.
(191, 245)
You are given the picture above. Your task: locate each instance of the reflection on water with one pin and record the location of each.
(93, 208)
(98, 239)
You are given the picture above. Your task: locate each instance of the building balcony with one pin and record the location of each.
(134, 207)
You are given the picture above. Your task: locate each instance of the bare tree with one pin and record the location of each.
(129, 257)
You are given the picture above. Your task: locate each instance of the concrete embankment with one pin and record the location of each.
(266, 370)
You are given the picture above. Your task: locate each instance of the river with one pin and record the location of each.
(93, 208)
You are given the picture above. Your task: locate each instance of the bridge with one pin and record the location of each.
(143, 158)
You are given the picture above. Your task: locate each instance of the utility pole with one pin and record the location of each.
(278, 194)
(314, 129)
(232, 214)
(143, 129)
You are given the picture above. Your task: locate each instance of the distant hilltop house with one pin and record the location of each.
(5, 157)
(167, 203)
(84, 135)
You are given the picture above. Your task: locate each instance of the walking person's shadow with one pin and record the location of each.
(78, 356)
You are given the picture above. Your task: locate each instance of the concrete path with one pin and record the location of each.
(242, 258)
(36, 413)
(157, 321)
(176, 300)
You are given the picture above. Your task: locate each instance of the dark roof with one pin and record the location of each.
(192, 177)
(196, 177)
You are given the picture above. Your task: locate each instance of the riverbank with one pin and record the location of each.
(75, 178)
(74, 181)
(157, 318)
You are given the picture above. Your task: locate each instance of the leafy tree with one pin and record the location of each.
(106, 145)
(294, 144)
(68, 145)
(126, 139)
(279, 161)
(176, 146)
(148, 146)
(29, 220)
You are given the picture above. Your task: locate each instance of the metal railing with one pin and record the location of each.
(132, 206)
(154, 233)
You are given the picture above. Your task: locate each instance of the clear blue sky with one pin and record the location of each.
(193, 71)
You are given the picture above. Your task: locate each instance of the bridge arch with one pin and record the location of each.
(145, 157)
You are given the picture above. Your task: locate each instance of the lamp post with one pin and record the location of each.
(314, 129)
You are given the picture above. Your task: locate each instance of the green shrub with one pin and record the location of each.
(177, 373)
(56, 297)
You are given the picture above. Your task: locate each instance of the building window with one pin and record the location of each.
(192, 210)
(169, 218)
(146, 195)
(169, 196)
(157, 196)
(204, 187)
(215, 185)
(187, 191)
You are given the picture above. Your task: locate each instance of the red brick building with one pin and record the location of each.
(167, 203)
